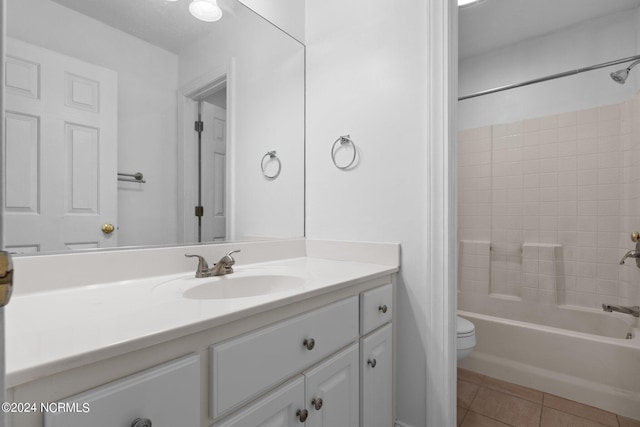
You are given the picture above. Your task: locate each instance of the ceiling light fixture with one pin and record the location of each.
(205, 10)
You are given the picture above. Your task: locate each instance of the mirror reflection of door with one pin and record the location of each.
(214, 158)
(61, 153)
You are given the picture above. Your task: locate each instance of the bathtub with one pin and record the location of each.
(579, 354)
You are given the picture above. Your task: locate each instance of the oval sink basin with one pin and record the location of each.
(224, 287)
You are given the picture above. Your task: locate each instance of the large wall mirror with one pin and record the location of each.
(102, 146)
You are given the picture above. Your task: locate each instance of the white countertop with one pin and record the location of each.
(49, 332)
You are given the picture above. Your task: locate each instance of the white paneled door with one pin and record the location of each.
(61, 151)
(214, 161)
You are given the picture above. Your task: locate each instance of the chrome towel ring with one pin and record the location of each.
(269, 157)
(346, 139)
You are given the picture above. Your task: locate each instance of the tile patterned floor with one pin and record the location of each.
(487, 402)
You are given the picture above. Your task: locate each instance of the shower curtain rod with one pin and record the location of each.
(550, 77)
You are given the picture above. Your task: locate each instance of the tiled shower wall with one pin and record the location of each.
(547, 205)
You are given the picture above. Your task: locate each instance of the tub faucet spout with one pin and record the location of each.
(634, 311)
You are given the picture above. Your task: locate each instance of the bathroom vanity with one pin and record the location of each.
(304, 337)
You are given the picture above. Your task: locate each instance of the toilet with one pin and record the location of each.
(466, 337)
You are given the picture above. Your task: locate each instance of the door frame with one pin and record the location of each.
(188, 96)
(442, 239)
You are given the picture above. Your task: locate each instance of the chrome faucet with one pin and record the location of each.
(631, 254)
(634, 311)
(222, 267)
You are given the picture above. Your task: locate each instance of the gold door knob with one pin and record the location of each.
(107, 228)
(6, 278)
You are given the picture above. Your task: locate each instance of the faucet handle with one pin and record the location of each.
(228, 255)
(635, 236)
(202, 263)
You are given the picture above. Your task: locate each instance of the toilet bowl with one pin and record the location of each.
(466, 337)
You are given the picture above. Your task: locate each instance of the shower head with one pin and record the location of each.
(620, 76)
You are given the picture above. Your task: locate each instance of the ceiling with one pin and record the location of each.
(168, 25)
(171, 26)
(492, 24)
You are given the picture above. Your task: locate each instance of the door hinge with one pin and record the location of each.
(199, 125)
(199, 210)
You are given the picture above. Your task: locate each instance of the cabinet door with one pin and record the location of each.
(376, 371)
(167, 395)
(332, 391)
(279, 408)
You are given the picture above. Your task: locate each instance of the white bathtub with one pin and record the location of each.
(576, 353)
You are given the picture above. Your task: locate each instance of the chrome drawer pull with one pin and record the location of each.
(309, 343)
(383, 308)
(317, 403)
(302, 415)
(141, 422)
(372, 363)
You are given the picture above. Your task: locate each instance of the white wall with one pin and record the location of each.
(597, 41)
(268, 111)
(367, 76)
(147, 84)
(286, 14)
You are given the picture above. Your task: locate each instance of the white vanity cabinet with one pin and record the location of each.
(351, 388)
(323, 361)
(167, 395)
(376, 357)
(325, 396)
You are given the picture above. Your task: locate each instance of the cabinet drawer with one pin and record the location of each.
(245, 367)
(168, 395)
(376, 307)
